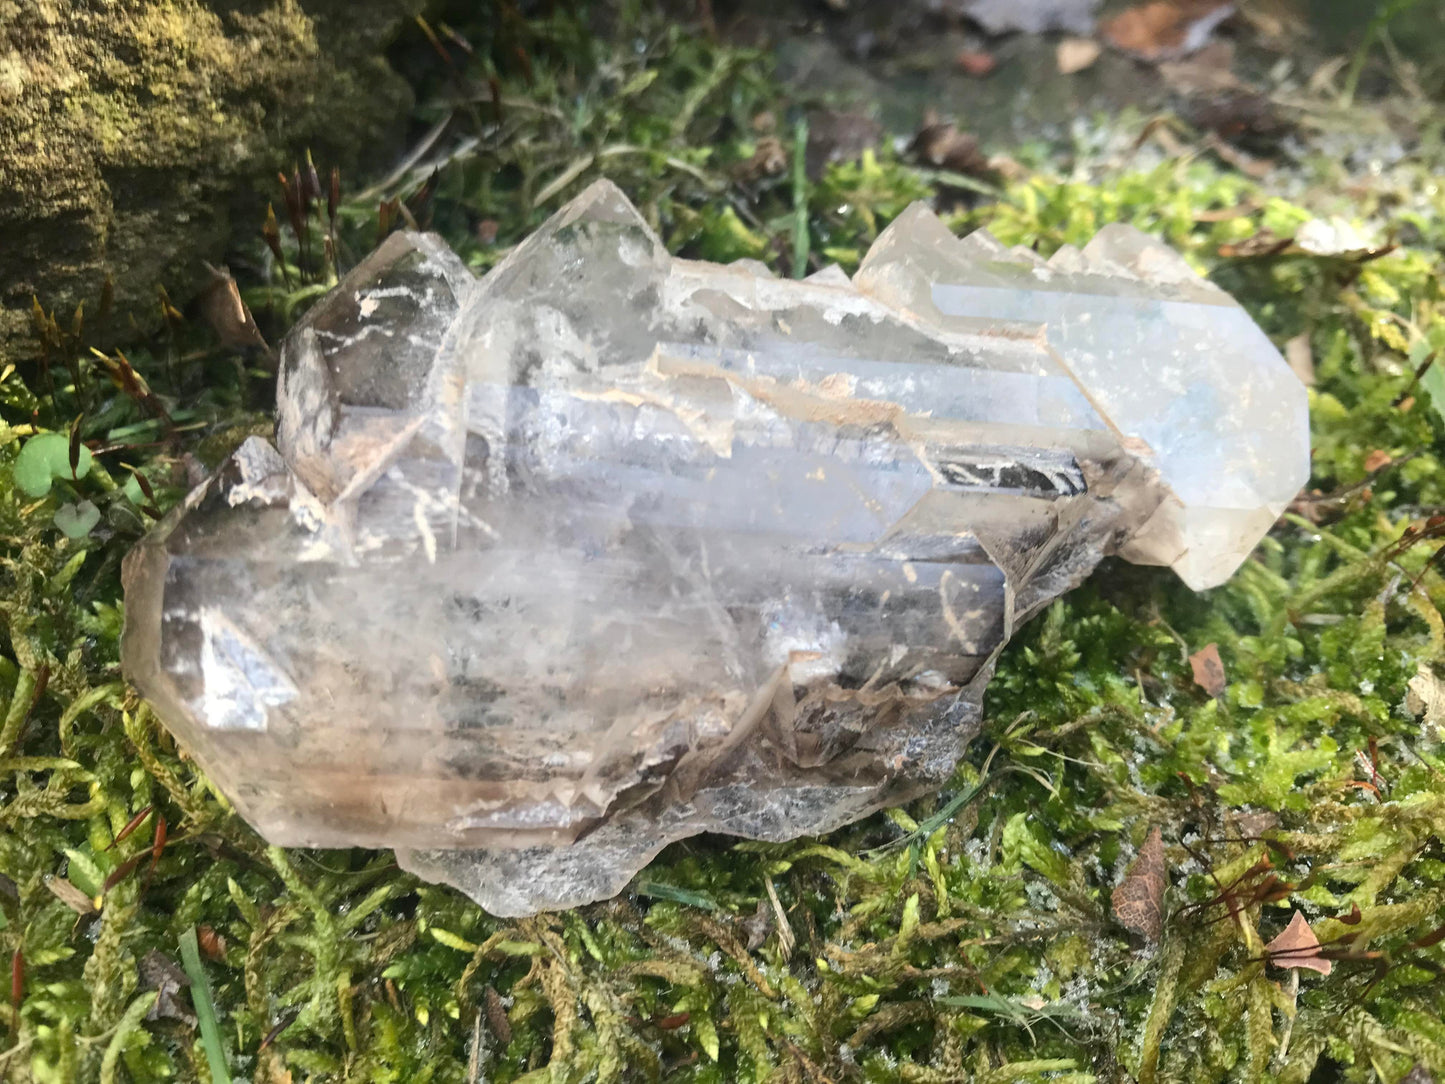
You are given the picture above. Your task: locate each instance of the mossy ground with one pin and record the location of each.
(967, 937)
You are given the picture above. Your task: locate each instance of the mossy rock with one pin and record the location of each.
(134, 136)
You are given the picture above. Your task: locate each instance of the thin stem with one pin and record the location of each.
(1294, 1011)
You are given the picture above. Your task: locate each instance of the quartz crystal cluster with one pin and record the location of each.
(547, 569)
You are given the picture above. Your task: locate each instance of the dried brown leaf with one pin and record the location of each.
(1297, 946)
(1377, 459)
(497, 1016)
(1139, 899)
(229, 316)
(943, 146)
(758, 925)
(71, 896)
(1209, 670)
(1251, 826)
(1165, 29)
(1425, 695)
(768, 160)
(212, 944)
(1210, 71)
(160, 973)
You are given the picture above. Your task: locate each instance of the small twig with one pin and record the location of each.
(412, 158)
(479, 1050)
(1289, 1023)
(786, 938)
(1420, 371)
(1340, 496)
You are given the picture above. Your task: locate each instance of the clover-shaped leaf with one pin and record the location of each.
(43, 459)
(77, 520)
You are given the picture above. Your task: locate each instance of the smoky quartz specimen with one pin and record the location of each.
(548, 569)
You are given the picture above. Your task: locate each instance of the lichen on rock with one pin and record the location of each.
(135, 135)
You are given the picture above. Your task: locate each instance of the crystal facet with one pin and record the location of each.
(609, 548)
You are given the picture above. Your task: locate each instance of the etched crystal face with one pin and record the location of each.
(607, 548)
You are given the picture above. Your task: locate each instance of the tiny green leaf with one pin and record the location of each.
(77, 520)
(43, 459)
(638, 83)
(705, 1032)
(451, 940)
(1432, 376)
(84, 873)
(132, 491)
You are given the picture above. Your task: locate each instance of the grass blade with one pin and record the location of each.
(661, 891)
(205, 1008)
(800, 200)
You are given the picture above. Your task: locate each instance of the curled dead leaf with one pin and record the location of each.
(1425, 696)
(160, 973)
(1208, 670)
(1139, 898)
(229, 316)
(211, 943)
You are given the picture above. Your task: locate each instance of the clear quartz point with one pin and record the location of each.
(608, 548)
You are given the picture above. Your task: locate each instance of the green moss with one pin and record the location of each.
(968, 937)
